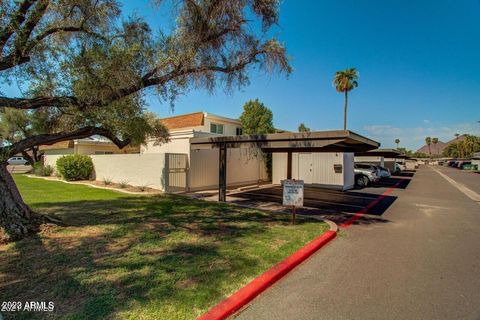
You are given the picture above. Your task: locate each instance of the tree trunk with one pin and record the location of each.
(16, 218)
(345, 111)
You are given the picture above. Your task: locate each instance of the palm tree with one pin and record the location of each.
(435, 141)
(458, 145)
(346, 81)
(397, 141)
(428, 141)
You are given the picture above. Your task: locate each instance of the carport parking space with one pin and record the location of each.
(338, 206)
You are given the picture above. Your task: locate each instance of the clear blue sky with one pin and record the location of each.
(419, 64)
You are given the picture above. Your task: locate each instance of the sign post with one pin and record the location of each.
(293, 195)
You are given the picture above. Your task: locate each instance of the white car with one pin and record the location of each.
(15, 161)
(400, 167)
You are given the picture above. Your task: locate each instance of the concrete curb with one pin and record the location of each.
(95, 186)
(246, 294)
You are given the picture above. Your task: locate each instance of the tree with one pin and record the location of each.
(470, 145)
(16, 125)
(303, 128)
(87, 69)
(256, 118)
(397, 141)
(459, 147)
(428, 141)
(435, 141)
(346, 81)
(451, 151)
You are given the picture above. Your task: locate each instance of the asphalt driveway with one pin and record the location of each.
(422, 263)
(338, 206)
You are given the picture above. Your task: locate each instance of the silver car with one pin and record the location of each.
(15, 161)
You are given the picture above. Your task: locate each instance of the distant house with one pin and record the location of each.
(88, 146)
(192, 125)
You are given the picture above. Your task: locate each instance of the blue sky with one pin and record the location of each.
(419, 64)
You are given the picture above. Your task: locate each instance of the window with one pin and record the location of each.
(216, 128)
(239, 131)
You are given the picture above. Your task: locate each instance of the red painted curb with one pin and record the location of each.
(372, 204)
(246, 294)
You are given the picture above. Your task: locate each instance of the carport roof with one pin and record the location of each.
(319, 141)
(387, 153)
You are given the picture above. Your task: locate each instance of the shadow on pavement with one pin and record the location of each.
(338, 206)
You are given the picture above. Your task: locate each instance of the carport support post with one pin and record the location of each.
(289, 165)
(222, 175)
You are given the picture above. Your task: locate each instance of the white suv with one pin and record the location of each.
(17, 161)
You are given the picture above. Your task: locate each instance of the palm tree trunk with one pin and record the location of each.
(345, 111)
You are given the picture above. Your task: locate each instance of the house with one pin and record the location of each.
(202, 164)
(184, 127)
(88, 146)
(170, 166)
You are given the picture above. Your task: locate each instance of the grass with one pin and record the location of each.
(139, 257)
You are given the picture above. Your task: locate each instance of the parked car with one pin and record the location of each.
(450, 163)
(400, 167)
(465, 164)
(384, 172)
(17, 161)
(365, 174)
(381, 171)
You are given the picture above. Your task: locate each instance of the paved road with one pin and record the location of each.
(423, 264)
(470, 179)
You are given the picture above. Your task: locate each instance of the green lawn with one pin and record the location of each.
(139, 257)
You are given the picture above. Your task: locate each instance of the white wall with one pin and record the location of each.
(322, 168)
(133, 169)
(177, 144)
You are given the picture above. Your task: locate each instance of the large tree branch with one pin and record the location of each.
(48, 139)
(37, 102)
(17, 19)
(31, 22)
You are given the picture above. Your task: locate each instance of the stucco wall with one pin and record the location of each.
(133, 169)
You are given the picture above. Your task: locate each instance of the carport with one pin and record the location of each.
(287, 142)
(378, 156)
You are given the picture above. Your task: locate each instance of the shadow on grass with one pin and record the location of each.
(120, 255)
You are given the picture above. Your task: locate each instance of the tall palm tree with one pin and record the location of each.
(397, 141)
(346, 81)
(435, 141)
(428, 141)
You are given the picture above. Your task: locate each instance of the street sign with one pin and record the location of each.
(293, 193)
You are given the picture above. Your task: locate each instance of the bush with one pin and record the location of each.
(75, 167)
(40, 170)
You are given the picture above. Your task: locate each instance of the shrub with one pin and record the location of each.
(40, 170)
(107, 181)
(123, 184)
(75, 167)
